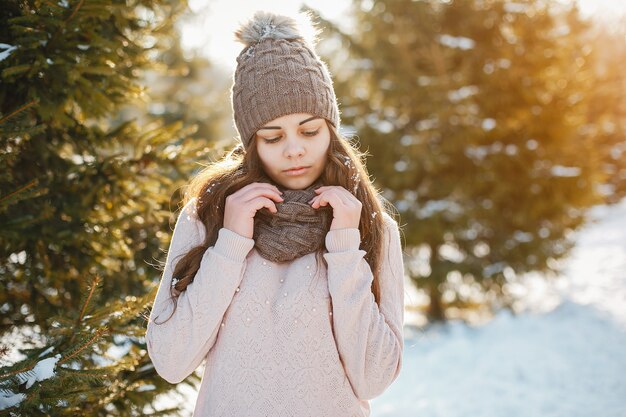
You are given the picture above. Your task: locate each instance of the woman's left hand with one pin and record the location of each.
(346, 207)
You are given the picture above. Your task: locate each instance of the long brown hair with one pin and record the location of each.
(238, 168)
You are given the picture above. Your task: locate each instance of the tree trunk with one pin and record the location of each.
(435, 310)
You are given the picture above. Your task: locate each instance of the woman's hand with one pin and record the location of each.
(242, 205)
(346, 207)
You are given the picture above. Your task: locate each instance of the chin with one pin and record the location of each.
(298, 183)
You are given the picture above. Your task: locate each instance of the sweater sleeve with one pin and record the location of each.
(177, 346)
(369, 338)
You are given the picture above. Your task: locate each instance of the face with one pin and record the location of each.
(294, 140)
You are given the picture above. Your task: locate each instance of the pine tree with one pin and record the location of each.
(471, 112)
(605, 125)
(85, 202)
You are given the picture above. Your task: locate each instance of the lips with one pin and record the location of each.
(295, 168)
(296, 172)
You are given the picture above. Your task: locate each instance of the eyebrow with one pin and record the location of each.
(301, 123)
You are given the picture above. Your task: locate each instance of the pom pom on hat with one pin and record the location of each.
(266, 25)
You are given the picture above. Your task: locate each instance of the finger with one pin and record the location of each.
(338, 196)
(312, 200)
(326, 199)
(253, 189)
(346, 196)
(334, 188)
(265, 185)
(260, 202)
(269, 193)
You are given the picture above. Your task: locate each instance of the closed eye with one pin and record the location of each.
(276, 139)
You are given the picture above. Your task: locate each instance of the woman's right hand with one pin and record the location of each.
(242, 205)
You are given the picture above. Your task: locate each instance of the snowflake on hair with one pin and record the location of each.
(209, 189)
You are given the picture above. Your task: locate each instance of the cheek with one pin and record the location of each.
(323, 150)
(322, 160)
(262, 151)
(266, 156)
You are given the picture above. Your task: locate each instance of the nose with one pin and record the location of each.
(293, 148)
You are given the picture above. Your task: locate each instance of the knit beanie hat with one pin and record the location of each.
(279, 73)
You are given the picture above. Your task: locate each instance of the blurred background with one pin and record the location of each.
(496, 128)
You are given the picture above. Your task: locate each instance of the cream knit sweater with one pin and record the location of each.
(279, 340)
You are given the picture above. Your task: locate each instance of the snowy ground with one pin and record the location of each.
(568, 361)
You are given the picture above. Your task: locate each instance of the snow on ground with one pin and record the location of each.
(568, 361)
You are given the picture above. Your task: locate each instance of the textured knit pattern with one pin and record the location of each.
(275, 77)
(279, 339)
(296, 229)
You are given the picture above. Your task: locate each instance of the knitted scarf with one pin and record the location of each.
(296, 229)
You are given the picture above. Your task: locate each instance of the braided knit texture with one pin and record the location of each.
(280, 339)
(278, 73)
(296, 229)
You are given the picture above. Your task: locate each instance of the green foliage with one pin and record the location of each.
(472, 112)
(86, 195)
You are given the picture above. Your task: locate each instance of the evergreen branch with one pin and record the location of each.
(101, 331)
(116, 391)
(94, 284)
(24, 107)
(33, 67)
(25, 369)
(78, 6)
(51, 4)
(88, 297)
(19, 190)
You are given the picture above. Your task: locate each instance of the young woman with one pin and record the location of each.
(285, 269)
